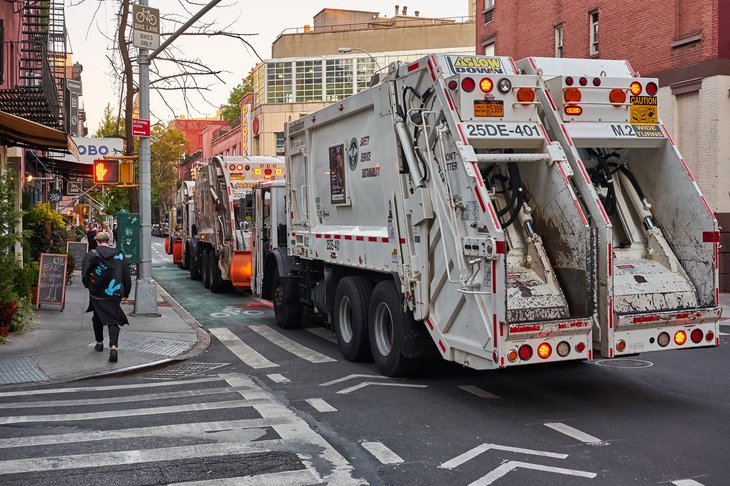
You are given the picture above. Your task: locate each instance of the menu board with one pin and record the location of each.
(52, 280)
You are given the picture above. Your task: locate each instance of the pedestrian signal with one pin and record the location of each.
(106, 171)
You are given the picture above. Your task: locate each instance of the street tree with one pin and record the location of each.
(167, 148)
(231, 111)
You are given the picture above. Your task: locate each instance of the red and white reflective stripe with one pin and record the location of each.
(666, 132)
(610, 313)
(430, 326)
(544, 133)
(448, 98)
(532, 63)
(567, 137)
(709, 209)
(583, 171)
(478, 174)
(461, 132)
(229, 191)
(609, 257)
(494, 325)
(717, 296)
(493, 215)
(550, 99)
(631, 69)
(514, 66)
(431, 69)
(413, 67)
(500, 247)
(494, 279)
(580, 211)
(603, 212)
(479, 198)
(717, 254)
(711, 237)
(689, 172)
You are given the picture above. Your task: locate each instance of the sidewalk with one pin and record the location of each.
(61, 347)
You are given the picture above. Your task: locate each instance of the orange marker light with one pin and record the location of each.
(572, 95)
(279, 171)
(486, 85)
(257, 171)
(573, 110)
(635, 88)
(680, 337)
(525, 95)
(544, 350)
(617, 96)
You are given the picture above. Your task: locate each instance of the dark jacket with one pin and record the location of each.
(105, 273)
(90, 238)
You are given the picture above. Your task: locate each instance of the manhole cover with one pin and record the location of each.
(184, 370)
(624, 363)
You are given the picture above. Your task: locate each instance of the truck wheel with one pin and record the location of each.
(288, 316)
(195, 268)
(386, 325)
(186, 259)
(351, 318)
(217, 284)
(205, 268)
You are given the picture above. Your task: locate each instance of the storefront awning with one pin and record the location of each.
(25, 133)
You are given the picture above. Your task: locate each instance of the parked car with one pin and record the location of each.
(155, 230)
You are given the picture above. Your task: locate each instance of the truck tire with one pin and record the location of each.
(288, 316)
(195, 268)
(386, 323)
(186, 259)
(352, 300)
(217, 284)
(205, 268)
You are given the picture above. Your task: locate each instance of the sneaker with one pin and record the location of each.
(99, 347)
(113, 356)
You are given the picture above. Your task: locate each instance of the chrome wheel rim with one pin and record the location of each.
(383, 329)
(344, 319)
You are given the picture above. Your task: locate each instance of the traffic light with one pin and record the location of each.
(126, 172)
(106, 171)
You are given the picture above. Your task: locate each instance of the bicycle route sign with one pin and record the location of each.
(146, 27)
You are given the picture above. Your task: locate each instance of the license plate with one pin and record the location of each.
(236, 176)
(489, 108)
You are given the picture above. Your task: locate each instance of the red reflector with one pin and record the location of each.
(709, 336)
(617, 96)
(569, 81)
(572, 95)
(596, 82)
(651, 89)
(696, 336)
(453, 85)
(580, 347)
(711, 237)
(525, 352)
(583, 81)
(525, 95)
(573, 110)
(468, 84)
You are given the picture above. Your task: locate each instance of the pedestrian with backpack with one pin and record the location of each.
(105, 273)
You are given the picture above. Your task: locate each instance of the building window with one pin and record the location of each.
(489, 49)
(259, 84)
(279, 82)
(339, 79)
(365, 71)
(279, 143)
(559, 41)
(308, 81)
(2, 51)
(593, 16)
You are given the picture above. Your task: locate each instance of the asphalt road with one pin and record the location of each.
(307, 416)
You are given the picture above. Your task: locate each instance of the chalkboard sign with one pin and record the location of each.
(52, 280)
(78, 251)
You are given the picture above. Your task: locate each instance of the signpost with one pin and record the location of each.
(52, 280)
(146, 27)
(140, 128)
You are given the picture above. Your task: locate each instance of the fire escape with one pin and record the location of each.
(38, 94)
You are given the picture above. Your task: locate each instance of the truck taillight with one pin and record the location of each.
(257, 171)
(569, 81)
(572, 95)
(651, 89)
(525, 95)
(512, 356)
(468, 84)
(544, 350)
(696, 334)
(239, 167)
(663, 339)
(680, 337)
(563, 349)
(267, 172)
(486, 85)
(635, 88)
(504, 85)
(620, 345)
(709, 336)
(580, 347)
(583, 81)
(596, 82)
(279, 171)
(525, 352)
(617, 96)
(232, 167)
(573, 110)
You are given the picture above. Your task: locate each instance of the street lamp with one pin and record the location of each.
(347, 50)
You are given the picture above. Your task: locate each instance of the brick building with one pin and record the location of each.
(685, 44)
(192, 128)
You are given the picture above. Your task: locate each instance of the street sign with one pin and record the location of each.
(146, 27)
(74, 188)
(140, 128)
(128, 236)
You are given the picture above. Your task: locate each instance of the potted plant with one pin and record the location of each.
(8, 294)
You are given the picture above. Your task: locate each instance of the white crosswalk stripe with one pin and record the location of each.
(292, 346)
(272, 430)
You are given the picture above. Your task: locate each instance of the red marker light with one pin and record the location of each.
(525, 352)
(696, 336)
(453, 85)
(651, 89)
(569, 81)
(583, 81)
(468, 84)
(596, 82)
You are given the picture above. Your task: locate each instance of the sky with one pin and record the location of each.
(89, 33)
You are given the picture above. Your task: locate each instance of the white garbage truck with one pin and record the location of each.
(657, 238)
(181, 229)
(220, 243)
(430, 215)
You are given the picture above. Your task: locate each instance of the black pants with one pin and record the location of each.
(99, 331)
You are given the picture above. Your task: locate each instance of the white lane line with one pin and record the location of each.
(291, 346)
(330, 463)
(111, 458)
(352, 377)
(267, 303)
(245, 352)
(134, 386)
(686, 482)
(505, 468)
(128, 399)
(475, 390)
(374, 383)
(576, 434)
(480, 449)
(301, 477)
(320, 405)
(382, 453)
(277, 378)
(325, 334)
(72, 417)
(200, 428)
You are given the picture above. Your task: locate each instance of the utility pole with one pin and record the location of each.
(145, 295)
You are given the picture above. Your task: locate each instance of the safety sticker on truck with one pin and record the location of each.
(475, 65)
(642, 131)
(486, 130)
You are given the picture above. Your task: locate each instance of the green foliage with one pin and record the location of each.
(24, 318)
(45, 228)
(167, 146)
(9, 268)
(45, 213)
(9, 216)
(114, 200)
(231, 111)
(110, 125)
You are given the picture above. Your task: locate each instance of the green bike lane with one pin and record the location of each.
(236, 308)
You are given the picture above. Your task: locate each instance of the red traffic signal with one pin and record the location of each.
(106, 171)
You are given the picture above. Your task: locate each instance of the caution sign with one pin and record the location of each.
(475, 65)
(644, 110)
(648, 131)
